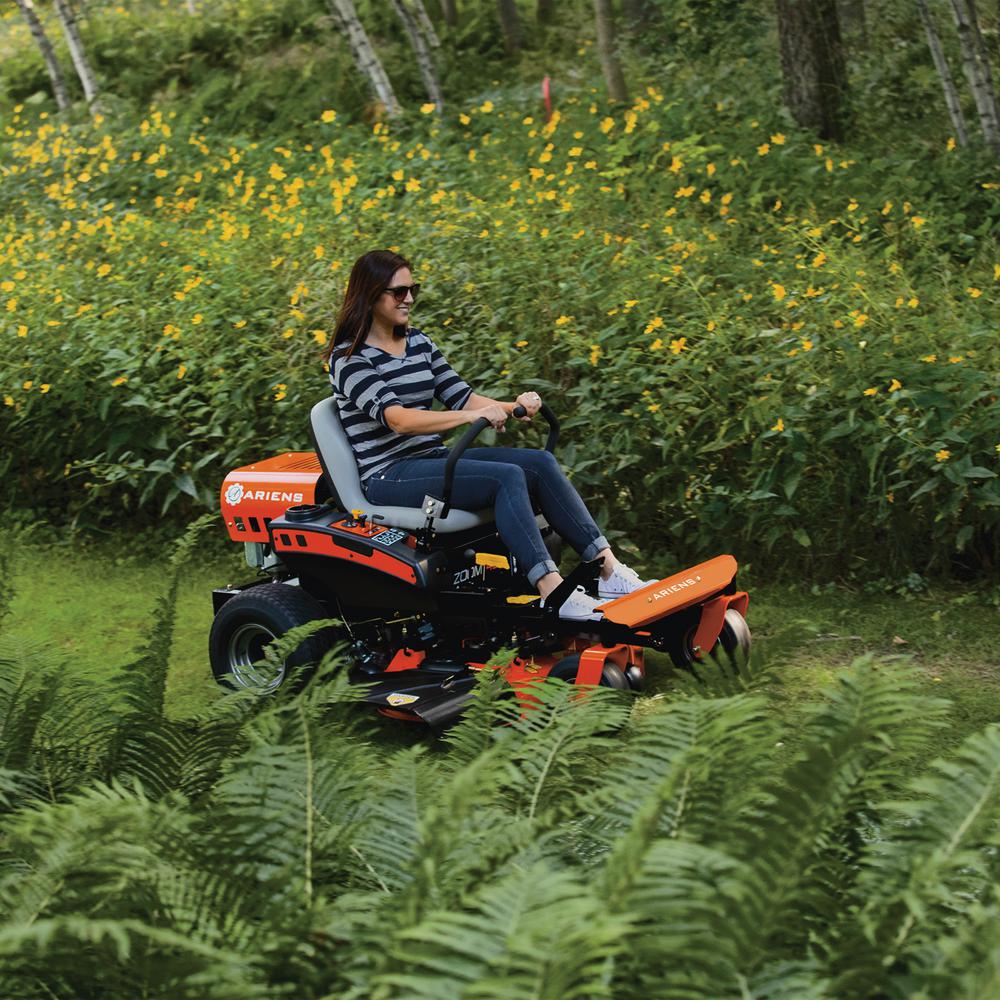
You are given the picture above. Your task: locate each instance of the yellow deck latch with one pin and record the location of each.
(523, 598)
(491, 560)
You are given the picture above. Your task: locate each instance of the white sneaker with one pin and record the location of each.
(622, 581)
(579, 607)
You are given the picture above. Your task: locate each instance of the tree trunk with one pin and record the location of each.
(944, 72)
(365, 58)
(812, 63)
(418, 11)
(78, 55)
(510, 23)
(608, 51)
(984, 59)
(421, 51)
(978, 74)
(45, 47)
(450, 13)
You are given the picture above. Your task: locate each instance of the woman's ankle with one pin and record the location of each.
(608, 566)
(546, 584)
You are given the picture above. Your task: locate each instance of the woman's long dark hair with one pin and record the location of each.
(370, 277)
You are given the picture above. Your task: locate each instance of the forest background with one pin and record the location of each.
(748, 251)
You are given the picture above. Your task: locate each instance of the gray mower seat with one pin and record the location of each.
(337, 459)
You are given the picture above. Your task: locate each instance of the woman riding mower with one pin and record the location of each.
(386, 375)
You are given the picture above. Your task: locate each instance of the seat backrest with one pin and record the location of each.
(335, 455)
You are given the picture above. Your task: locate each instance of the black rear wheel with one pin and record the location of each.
(248, 623)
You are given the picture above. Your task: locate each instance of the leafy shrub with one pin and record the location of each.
(751, 341)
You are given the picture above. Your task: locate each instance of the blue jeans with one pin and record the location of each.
(505, 479)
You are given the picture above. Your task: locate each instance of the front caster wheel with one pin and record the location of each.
(248, 623)
(569, 666)
(731, 649)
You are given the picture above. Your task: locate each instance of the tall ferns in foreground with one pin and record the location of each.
(596, 847)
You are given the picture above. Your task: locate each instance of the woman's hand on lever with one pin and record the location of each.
(494, 413)
(531, 402)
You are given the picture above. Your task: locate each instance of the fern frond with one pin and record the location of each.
(535, 933)
(850, 749)
(939, 856)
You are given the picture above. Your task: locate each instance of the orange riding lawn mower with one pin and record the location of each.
(427, 596)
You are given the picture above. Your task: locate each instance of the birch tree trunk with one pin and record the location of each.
(45, 47)
(607, 50)
(979, 77)
(421, 51)
(510, 23)
(78, 55)
(450, 13)
(419, 12)
(365, 58)
(944, 73)
(812, 63)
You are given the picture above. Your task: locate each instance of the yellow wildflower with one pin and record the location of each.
(328, 116)
(955, 359)
(607, 125)
(778, 139)
(276, 173)
(763, 149)
(486, 107)
(656, 345)
(27, 385)
(280, 394)
(428, 108)
(181, 371)
(121, 380)
(870, 392)
(929, 358)
(595, 353)
(807, 345)
(320, 337)
(563, 320)
(521, 343)
(917, 221)
(779, 426)
(103, 270)
(943, 455)
(196, 319)
(44, 387)
(678, 345)
(895, 385)
(779, 291)
(974, 292)
(8, 401)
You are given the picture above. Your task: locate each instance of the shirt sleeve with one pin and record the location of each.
(357, 380)
(453, 391)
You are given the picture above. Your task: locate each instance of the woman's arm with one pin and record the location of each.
(410, 420)
(475, 402)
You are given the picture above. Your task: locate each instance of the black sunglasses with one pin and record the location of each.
(399, 292)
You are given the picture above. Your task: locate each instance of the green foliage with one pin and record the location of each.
(596, 846)
(748, 336)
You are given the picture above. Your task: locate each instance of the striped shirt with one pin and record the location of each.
(372, 379)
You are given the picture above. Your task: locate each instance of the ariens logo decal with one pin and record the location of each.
(675, 588)
(236, 493)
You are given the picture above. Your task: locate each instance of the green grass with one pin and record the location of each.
(92, 603)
